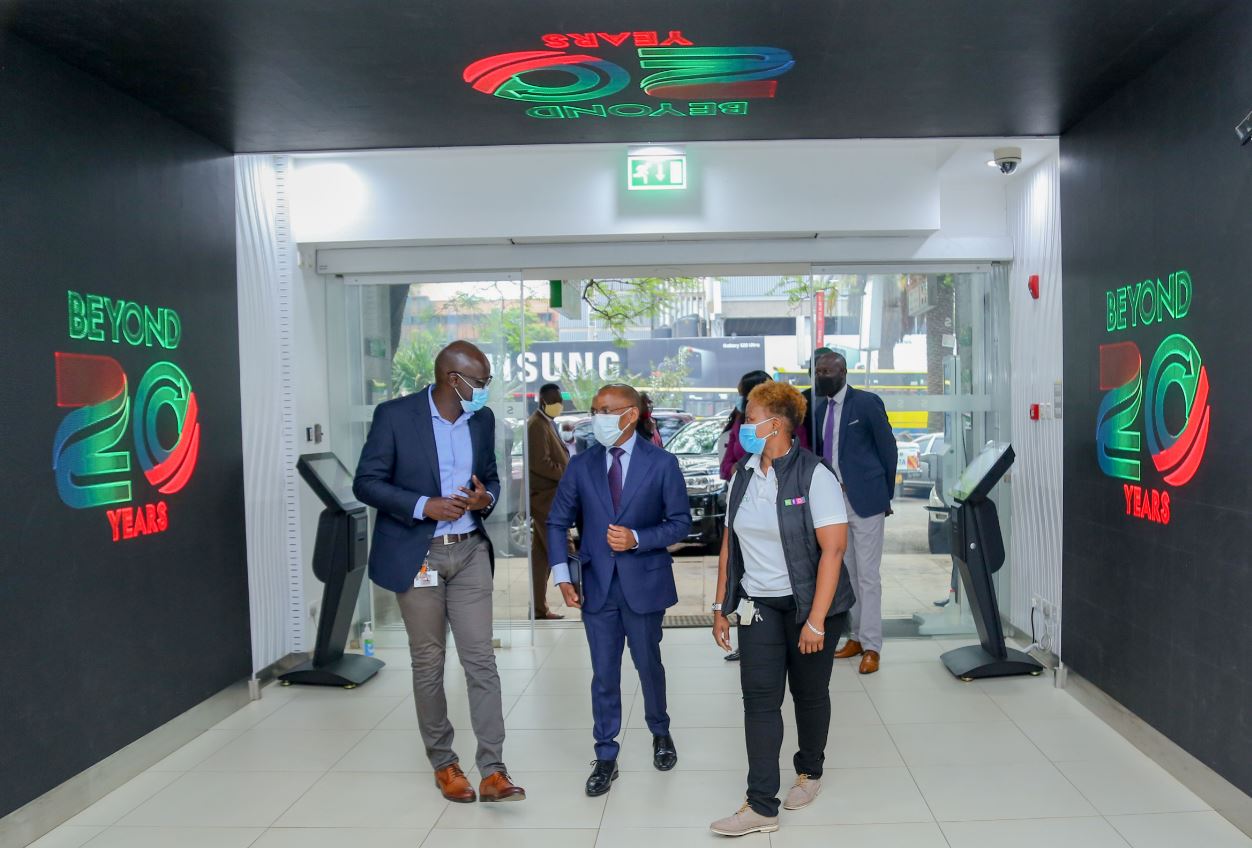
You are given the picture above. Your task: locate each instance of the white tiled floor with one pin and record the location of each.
(916, 759)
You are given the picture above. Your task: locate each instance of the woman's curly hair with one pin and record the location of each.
(782, 400)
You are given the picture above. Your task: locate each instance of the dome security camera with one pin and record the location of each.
(1006, 159)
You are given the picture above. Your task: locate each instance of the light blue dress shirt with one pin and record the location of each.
(455, 450)
(560, 571)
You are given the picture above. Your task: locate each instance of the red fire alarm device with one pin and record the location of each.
(1034, 412)
(1033, 285)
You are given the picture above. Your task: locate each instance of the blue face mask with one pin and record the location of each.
(740, 403)
(605, 427)
(749, 440)
(478, 397)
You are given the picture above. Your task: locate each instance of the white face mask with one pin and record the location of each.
(606, 429)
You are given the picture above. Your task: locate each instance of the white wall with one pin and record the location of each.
(534, 208)
(1034, 216)
(268, 395)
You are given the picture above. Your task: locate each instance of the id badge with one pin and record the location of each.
(426, 579)
(747, 612)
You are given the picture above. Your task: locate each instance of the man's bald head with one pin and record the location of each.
(462, 357)
(830, 358)
(617, 395)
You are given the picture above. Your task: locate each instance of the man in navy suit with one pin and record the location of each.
(629, 500)
(854, 437)
(429, 468)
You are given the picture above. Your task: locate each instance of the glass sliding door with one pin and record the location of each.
(383, 341)
(932, 343)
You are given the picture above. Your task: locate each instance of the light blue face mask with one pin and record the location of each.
(478, 397)
(749, 440)
(740, 403)
(605, 427)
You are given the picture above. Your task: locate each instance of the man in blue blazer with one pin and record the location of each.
(429, 468)
(629, 500)
(854, 437)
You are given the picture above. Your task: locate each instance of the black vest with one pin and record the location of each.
(794, 473)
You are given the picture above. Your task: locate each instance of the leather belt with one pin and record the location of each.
(453, 538)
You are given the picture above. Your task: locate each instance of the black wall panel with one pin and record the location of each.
(1154, 182)
(100, 640)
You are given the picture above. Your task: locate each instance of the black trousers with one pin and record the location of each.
(770, 660)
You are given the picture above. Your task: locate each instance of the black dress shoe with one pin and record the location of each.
(602, 777)
(664, 754)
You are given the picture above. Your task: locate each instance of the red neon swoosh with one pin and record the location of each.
(1179, 450)
(1183, 474)
(184, 471)
(494, 75)
(163, 471)
(482, 66)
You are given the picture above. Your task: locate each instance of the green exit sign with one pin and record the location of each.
(656, 173)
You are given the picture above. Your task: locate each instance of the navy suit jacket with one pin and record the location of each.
(867, 450)
(654, 504)
(400, 464)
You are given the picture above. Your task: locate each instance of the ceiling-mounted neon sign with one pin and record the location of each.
(1135, 413)
(163, 423)
(688, 80)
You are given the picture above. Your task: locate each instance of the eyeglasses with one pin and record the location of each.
(606, 411)
(474, 382)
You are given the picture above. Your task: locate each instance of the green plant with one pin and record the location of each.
(665, 381)
(413, 363)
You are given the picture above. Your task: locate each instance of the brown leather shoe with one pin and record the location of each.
(869, 662)
(498, 787)
(454, 785)
(851, 648)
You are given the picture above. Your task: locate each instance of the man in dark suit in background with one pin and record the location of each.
(429, 468)
(630, 501)
(854, 438)
(547, 457)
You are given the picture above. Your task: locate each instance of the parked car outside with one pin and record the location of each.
(930, 450)
(908, 465)
(695, 446)
(938, 533)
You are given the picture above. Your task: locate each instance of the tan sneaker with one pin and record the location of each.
(746, 821)
(803, 792)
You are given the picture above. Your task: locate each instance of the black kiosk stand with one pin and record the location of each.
(339, 561)
(978, 551)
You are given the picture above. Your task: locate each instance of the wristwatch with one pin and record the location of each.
(717, 607)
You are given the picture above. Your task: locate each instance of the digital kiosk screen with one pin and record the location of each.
(330, 479)
(981, 475)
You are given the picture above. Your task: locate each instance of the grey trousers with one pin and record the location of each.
(463, 600)
(863, 560)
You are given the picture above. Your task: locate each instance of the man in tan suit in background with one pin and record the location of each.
(548, 457)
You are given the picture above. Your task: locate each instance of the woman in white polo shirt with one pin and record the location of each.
(781, 569)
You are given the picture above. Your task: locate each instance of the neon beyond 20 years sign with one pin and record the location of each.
(91, 464)
(684, 79)
(1135, 414)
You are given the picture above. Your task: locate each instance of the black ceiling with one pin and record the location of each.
(261, 75)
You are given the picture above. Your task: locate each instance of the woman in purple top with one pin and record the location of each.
(734, 451)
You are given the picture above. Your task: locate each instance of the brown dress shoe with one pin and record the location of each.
(498, 787)
(851, 648)
(869, 662)
(454, 785)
